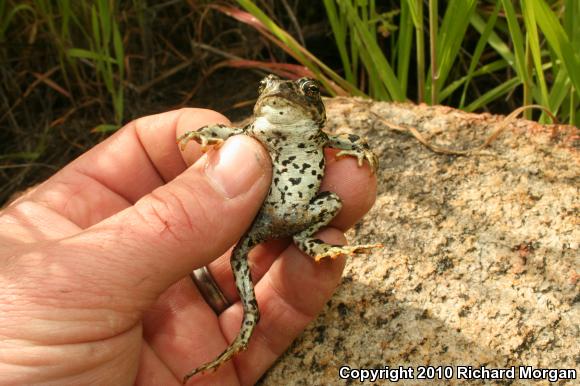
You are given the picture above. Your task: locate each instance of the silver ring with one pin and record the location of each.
(209, 289)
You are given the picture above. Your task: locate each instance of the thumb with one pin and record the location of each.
(180, 226)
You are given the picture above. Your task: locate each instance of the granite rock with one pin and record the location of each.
(481, 257)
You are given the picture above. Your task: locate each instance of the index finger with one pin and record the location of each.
(119, 171)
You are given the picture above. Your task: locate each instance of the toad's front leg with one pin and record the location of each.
(355, 146)
(209, 135)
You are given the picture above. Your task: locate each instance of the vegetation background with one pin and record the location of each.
(74, 71)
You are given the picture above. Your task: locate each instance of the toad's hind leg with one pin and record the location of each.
(241, 270)
(323, 208)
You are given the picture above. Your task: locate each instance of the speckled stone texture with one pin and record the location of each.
(481, 258)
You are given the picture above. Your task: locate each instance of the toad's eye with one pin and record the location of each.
(311, 88)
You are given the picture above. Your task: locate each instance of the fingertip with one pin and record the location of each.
(238, 165)
(356, 186)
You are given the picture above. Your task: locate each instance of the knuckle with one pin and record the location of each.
(175, 215)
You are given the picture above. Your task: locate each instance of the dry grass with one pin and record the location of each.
(60, 79)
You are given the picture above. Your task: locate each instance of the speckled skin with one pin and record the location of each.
(288, 121)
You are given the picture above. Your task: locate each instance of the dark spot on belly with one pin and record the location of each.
(295, 181)
(324, 194)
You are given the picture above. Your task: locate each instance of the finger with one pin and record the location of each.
(119, 171)
(184, 224)
(356, 186)
(152, 371)
(181, 327)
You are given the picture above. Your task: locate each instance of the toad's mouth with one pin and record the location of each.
(290, 99)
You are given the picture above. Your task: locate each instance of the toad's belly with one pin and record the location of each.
(296, 179)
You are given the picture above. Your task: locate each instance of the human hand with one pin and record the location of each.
(94, 262)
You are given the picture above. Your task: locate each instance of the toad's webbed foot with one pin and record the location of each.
(239, 344)
(320, 250)
(361, 155)
(322, 209)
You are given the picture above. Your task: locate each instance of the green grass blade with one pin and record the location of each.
(433, 53)
(105, 128)
(339, 31)
(558, 40)
(516, 37)
(495, 41)
(300, 53)
(355, 48)
(65, 14)
(481, 44)
(120, 59)
(571, 25)
(87, 54)
(574, 118)
(560, 90)
(493, 94)
(383, 68)
(486, 69)
(416, 9)
(404, 46)
(95, 27)
(104, 16)
(377, 88)
(450, 37)
(534, 44)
